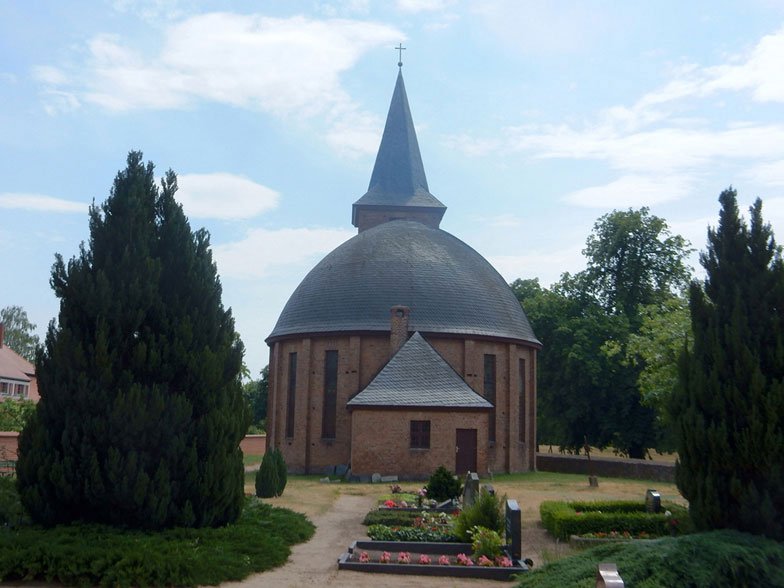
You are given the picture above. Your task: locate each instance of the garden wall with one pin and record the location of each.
(608, 467)
(254, 444)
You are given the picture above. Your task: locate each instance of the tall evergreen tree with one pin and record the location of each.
(730, 403)
(141, 410)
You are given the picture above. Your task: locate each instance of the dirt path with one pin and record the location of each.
(315, 563)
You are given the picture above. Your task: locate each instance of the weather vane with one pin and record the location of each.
(400, 50)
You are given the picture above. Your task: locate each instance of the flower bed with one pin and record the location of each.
(426, 559)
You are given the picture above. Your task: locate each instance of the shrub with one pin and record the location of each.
(11, 512)
(486, 512)
(443, 485)
(721, 559)
(485, 542)
(561, 519)
(391, 517)
(267, 477)
(387, 533)
(280, 465)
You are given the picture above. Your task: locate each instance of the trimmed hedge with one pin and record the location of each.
(387, 533)
(561, 519)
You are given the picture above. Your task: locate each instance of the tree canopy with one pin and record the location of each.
(730, 399)
(19, 331)
(141, 410)
(588, 384)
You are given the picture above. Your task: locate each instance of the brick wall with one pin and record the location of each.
(9, 444)
(609, 467)
(254, 444)
(385, 446)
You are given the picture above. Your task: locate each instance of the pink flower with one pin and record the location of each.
(504, 562)
(403, 557)
(422, 491)
(424, 559)
(443, 560)
(364, 557)
(403, 504)
(390, 503)
(485, 561)
(384, 558)
(464, 560)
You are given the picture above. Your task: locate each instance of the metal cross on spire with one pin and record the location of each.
(400, 50)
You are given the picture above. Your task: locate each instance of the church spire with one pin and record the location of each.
(398, 186)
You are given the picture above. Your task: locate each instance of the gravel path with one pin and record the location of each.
(315, 563)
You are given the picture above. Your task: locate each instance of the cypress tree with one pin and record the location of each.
(267, 482)
(730, 401)
(141, 410)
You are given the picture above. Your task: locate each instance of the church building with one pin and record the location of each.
(403, 349)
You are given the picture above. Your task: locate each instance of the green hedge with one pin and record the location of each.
(561, 519)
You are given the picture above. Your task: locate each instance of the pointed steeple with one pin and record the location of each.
(398, 186)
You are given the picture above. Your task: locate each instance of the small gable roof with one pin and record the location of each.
(418, 377)
(13, 366)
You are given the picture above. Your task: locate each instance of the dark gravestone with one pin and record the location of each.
(652, 501)
(471, 489)
(329, 470)
(341, 470)
(514, 529)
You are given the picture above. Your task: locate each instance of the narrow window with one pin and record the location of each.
(330, 395)
(291, 395)
(521, 386)
(420, 434)
(490, 391)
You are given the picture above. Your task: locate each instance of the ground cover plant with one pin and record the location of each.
(563, 519)
(425, 526)
(720, 559)
(93, 554)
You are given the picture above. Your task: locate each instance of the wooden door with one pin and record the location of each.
(465, 451)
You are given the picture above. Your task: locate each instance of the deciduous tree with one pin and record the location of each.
(19, 332)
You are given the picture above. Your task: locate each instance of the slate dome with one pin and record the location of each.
(448, 287)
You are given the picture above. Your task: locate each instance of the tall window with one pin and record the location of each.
(291, 395)
(330, 395)
(420, 434)
(521, 386)
(489, 391)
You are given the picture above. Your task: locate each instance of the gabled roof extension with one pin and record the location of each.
(418, 377)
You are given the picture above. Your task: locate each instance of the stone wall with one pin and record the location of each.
(608, 467)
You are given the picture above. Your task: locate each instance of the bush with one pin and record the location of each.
(561, 519)
(267, 477)
(280, 465)
(392, 517)
(721, 559)
(443, 485)
(485, 542)
(99, 555)
(387, 533)
(486, 512)
(11, 512)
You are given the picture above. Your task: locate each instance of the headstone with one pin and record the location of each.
(387, 479)
(470, 489)
(340, 470)
(607, 576)
(376, 478)
(329, 470)
(347, 475)
(324, 480)
(514, 528)
(652, 501)
(363, 478)
(488, 488)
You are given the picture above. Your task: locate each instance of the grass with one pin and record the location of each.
(249, 459)
(720, 559)
(90, 554)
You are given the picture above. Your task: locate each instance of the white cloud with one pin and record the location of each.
(632, 191)
(49, 75)
(283, 66)
(416, 6)
(546, 265)
(39, 203)
(768, 174)
(223, 196)
(263, 250)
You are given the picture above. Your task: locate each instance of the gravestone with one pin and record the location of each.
(471, 489)
(376, 478)
(329, 470)
(387, 479)
(489, 489)
(340, 470)
(652, 501)
(607, 576)
(514, 529)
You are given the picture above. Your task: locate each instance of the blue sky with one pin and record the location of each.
(533, 118)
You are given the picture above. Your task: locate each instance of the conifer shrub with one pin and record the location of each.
(267, 482)
(443, 485)
(141, 410)
(487, 512)
(280, 465)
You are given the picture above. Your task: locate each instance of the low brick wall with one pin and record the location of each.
(254, 444)
(9, 443)
(608, 467)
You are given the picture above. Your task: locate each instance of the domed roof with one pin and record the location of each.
(448, 287)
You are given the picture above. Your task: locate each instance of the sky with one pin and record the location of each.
(534, 119)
